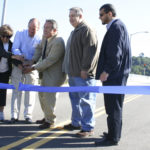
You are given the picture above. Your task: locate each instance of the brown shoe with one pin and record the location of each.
(45, 125)
(40, 121)
(70, 127)
(83, 134)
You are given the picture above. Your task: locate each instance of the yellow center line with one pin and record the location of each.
(30, 137)
(55, 135)
(100, 111)
(126, 99)
(132, 98)
(45, 140)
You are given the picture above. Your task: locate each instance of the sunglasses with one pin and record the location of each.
(7, 36)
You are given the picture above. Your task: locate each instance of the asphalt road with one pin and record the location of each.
(135, 133)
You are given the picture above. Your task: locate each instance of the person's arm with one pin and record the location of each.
(55, 53)
(90, 44)
(17, 44)
(4, 53)
(113, 51)
(18, 58)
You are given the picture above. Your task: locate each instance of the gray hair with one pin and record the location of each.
(78, 10)
(32, 19)
(53, 22)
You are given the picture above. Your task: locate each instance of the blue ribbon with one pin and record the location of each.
(144, 90)
(6, 86)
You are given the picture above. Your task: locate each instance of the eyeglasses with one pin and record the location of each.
(7, 36)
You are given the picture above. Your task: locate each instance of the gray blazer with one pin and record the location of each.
(51, 66)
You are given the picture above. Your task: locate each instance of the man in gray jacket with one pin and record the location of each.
(80, 64)
(52, 50)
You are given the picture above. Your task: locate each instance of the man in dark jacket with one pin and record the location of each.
(113, 69)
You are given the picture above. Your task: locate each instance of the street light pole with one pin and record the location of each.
(131, 35)
(3, 13)
(144, 69)
(137, 33)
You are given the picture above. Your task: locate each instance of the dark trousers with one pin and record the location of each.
(4, 78)
(114, 105)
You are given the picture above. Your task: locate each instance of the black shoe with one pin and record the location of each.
(105, 134)
(1, 120)
(105, 142)
(45, 125)
(71, 127)
(40, 121)
(13, 121)
(28, 121)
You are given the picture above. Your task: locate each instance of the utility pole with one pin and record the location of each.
(3, 13)
(144, 69)
(137, 33)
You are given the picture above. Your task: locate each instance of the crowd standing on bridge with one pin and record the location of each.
(79, 60)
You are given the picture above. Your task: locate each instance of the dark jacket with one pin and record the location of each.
(5, 54)
(8, 55)
(83, 51)
(115, 54)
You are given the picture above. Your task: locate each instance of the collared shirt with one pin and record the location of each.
(24, 44)
(49, 39)
(110, 23)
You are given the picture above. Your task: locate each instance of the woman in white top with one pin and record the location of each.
(6, 58)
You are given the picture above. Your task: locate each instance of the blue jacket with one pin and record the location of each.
(115, 54)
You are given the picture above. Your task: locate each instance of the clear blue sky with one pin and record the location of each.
(134, 13)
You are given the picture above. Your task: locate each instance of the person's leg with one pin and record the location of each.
(41, 120)
(87, 104)
(30, 97)
(48, 106)
(16, 77)
(41, 94)
(76, 111)
(4, 78)
(114, 108)
(49, 101)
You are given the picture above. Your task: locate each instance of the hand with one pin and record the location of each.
(18, 57)
(84, 74)
(27, 63)
(20, 67)
(104, 76)
(27, 69)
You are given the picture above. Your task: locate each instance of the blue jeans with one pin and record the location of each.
(83, 104)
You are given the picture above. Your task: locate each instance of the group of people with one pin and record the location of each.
(50, 60)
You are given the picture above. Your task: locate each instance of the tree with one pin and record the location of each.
(140, 65)
(141, 54)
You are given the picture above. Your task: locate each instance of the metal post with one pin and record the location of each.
(131, 35)
(3, 13)
(144, 70)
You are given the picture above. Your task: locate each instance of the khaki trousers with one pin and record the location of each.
(48, 101)
(29, 97)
